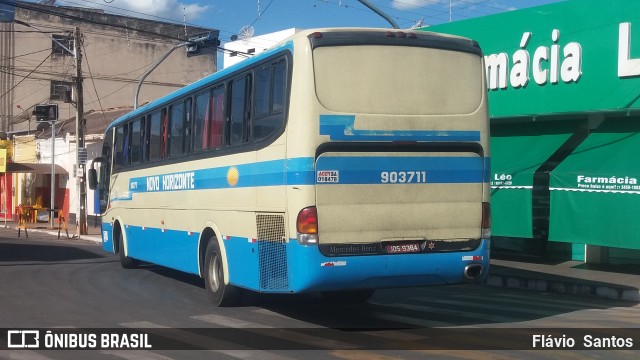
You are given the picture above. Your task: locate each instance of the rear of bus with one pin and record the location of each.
(396, 124)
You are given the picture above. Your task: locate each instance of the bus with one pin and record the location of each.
(338, 162)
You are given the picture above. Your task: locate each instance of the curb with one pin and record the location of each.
(563, 285)
(92, 238)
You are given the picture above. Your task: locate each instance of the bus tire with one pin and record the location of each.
(349, 297)
(218, 292)
(125, 261)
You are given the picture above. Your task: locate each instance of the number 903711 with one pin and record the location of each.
(403, 177)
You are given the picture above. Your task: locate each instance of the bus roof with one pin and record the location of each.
(283, 45)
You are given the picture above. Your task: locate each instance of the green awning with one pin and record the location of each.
(517, 151)
(595, 192)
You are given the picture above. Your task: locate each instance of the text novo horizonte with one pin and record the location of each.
(179, 181)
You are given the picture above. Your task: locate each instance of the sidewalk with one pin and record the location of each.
(569, 277)
(93, 233)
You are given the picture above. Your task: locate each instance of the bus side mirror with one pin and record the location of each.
(92, 175)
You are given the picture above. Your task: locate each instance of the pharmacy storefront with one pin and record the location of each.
(564, 97)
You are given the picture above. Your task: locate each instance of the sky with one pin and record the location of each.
(266, 16)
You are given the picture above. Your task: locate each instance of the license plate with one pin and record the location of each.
(402, 248)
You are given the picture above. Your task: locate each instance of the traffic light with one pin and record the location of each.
(45, 113)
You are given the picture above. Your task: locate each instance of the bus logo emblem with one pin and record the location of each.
(233, 175)
(328, 176)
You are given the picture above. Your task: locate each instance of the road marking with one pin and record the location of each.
(136, 354)
(224, 321)
(254, 355)
(24, 355)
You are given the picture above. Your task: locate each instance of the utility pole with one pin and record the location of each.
(81, 188)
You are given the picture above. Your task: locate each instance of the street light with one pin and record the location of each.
(379, 12)
(193, 45)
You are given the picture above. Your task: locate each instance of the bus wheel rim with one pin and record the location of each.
(214, 272)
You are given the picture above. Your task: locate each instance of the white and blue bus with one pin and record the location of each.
(338, 162)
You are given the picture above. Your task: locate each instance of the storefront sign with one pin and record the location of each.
(3, 160)
(567, 57)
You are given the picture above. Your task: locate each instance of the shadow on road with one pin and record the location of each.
(12, 252)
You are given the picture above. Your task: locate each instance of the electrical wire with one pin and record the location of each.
(263, 12)
(104, 119)
(20, 82)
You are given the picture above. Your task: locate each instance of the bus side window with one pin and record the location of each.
(164, 138)
(279, 87)
(105, 171)
(270, 99)
(176, 126)
(216, 126)
(143, 139)
(137, 134)
(201, 122)
(119, 146)
(186, 146)
(155, 136)
(240, 113)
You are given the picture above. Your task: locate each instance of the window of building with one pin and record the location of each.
(58, 50)
(60, 91)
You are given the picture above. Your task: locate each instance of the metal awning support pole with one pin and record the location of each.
(53, 172)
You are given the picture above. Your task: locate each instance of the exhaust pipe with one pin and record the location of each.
(473, 271)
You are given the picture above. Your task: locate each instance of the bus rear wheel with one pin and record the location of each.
(125, 261)
(219, 293)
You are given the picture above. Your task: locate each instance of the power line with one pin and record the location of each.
(20, 82)
(61, 14)
(104, 119)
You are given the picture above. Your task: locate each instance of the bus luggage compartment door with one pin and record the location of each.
(398, 197)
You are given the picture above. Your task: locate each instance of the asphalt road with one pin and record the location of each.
(70, 284)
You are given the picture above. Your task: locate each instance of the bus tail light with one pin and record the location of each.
(486, 220)
(307, 226)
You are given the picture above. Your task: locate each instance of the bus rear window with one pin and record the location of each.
(370, 79)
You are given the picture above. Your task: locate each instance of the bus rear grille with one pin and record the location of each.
(272, 252)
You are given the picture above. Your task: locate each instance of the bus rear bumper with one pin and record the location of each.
(310, 271)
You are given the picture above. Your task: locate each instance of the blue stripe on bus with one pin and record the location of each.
(300, 171)
(401, 170)
(301, 268)
(342, 128)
